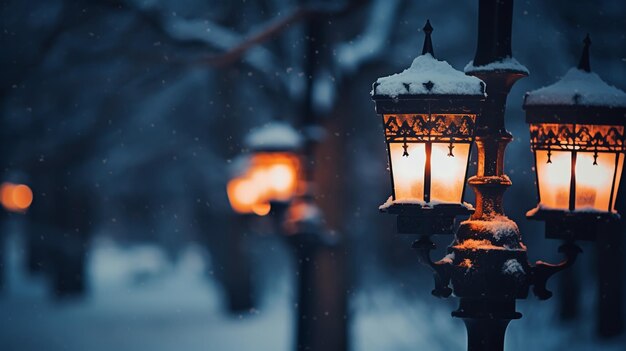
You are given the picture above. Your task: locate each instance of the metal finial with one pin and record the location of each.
(584, 58)
(428, 43)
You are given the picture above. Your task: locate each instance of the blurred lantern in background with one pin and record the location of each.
(429, 112)
(577, 136)
(15, 197)
(270, 175)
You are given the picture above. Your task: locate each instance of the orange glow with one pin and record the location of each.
(448, 172)
(593, 182)
(15, 197)
(261, 209)
(554, 178)
(272, 176)
(408, 171)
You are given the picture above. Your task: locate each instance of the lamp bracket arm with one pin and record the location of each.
(543, 271)
(440, 269)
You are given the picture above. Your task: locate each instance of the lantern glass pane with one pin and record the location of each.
(448, 172)
(554, 178)
(408, 171)
(593, 182)
(618, 178)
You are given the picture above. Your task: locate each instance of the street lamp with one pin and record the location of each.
(270, 174)
(577, 137)
(486, 266)
(428, 112)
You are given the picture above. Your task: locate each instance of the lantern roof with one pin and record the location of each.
(428, 77)
(274, 136)
(580, 97)
(578, 87)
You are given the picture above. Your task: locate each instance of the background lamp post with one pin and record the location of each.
(270, 175)
(577, 137)
(429, 112)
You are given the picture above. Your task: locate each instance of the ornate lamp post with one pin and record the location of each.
(487, 265)
(264, 181)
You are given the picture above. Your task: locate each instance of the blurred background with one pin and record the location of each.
(124, 118)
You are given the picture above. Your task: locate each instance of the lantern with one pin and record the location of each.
(428, 112)
(270, 175)
(577, 137)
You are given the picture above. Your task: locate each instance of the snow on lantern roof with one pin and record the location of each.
(274, 136)
(428, 76)
(577, 87)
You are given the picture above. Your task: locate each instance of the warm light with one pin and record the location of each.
(593, 183)
(448, 172)
(15, 197)
(408, 171)
(242, 194)
(272, 176)
(554, 178)
(261, 209)
(429, 146)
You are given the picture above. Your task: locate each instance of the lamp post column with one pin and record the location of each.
(490, 266)
(321, 310)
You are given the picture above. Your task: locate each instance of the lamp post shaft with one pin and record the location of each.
(488, 295)
(485, 335)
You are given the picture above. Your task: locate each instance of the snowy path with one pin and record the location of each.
(139, 301)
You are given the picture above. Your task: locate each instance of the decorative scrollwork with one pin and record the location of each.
(550, 136)
(433, 128)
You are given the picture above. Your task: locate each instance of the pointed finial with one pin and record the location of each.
(428, 43)
(584, 58)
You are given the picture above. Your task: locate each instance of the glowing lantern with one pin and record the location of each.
(15, 197)
(577, 137)
(428, 112)
(271, 172)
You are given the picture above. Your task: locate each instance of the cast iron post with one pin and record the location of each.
(487, 294)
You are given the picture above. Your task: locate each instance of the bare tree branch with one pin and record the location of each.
(276, 26)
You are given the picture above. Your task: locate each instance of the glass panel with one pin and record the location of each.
(554, 178)
(618, 178)
(408, 171)
(448, 172)
(593, 182)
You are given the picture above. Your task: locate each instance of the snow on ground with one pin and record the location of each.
(138, 301)
(141, 301)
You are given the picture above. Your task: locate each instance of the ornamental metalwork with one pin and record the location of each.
(458, 128)
(583, 137)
